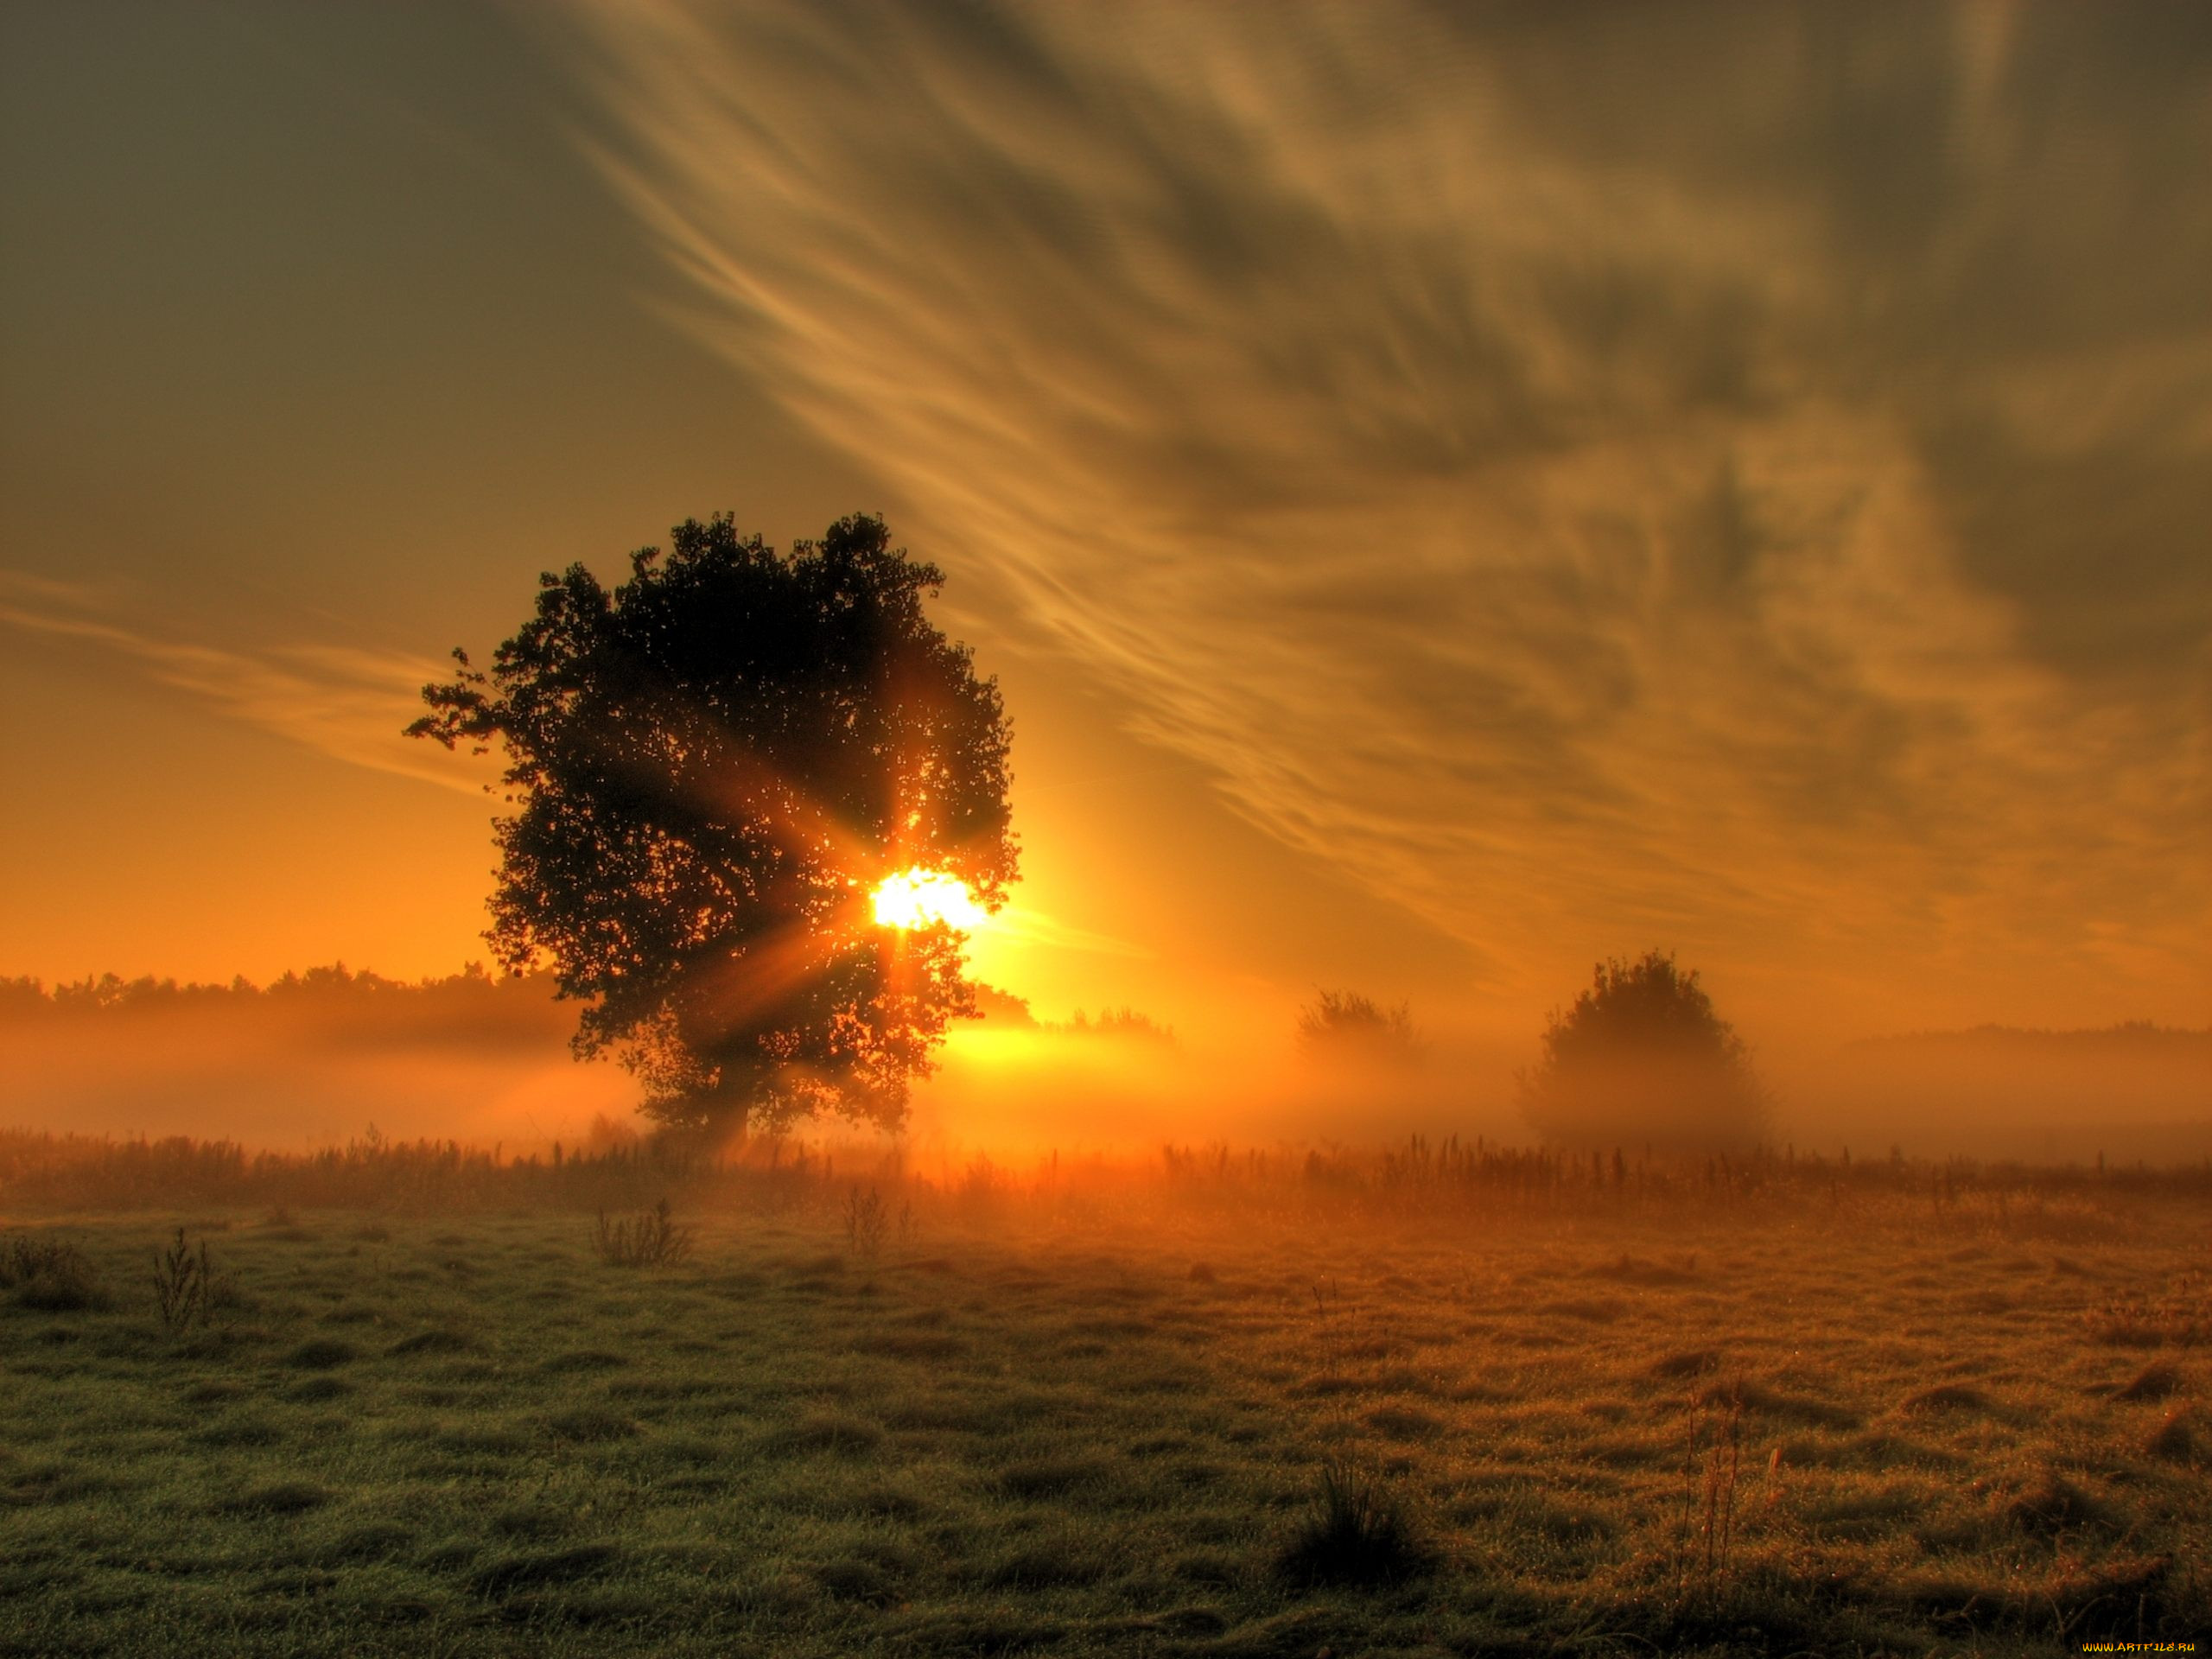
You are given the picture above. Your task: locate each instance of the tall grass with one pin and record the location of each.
(1417, 1177)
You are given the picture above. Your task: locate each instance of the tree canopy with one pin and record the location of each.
(711, 767)
(1643, 1057)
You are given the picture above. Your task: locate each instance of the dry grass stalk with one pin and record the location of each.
(184, 1284)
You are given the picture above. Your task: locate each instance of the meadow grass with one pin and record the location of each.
(1157, 1416)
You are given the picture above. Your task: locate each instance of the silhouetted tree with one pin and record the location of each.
(712, 766)
(1642, 1058)
(1345, 1027)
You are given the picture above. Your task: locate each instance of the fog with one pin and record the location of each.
(310, 1061)
(330, 1056)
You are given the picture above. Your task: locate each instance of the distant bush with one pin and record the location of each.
(1124, 1023)
(1345, 1027)
(1642, 1058)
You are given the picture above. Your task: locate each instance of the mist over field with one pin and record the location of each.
(317, 1059)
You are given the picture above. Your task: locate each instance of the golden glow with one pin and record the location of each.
(918, 898)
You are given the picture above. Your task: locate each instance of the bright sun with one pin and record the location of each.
(918, 897)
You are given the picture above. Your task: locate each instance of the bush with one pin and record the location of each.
(51, 1275)
(1642, 1058)
(653, 1240)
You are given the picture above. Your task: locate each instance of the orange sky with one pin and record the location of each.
(1446, 500)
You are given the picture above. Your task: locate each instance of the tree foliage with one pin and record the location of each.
(1642, 1058)
(711, 766)
(1345, 1028)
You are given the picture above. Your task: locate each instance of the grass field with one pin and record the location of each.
(1149, 1417)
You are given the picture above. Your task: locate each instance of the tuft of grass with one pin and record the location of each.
(588, 1423)
(1044, 1477)
(831, 1431)
(2176, 1318)
(652, 1240)
(1693, 1362)
(376, 1541)
(2057, 1506)
(1405, 1423)
(530, 1522)
(50, 1275)
(514, 1573)
(2151, 1383)
(1356, 1533)
(2175, 1440)
(583, 1359)
(279, 1497)
(322, 1354)
(851, 1579)
(1044, 1564)
(1945, 1397)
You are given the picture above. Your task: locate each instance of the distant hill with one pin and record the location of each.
(2136, 1037)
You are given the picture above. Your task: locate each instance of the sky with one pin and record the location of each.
(1450, 494)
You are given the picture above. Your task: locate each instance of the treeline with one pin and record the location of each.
(1004, 1009)
(112, 994)
(326, 1007)
(471, 995)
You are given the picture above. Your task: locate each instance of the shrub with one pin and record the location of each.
(652, 1240)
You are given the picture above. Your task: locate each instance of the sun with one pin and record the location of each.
(917, 897)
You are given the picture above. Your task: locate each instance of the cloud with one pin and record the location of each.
(1731, 477)
(1021, 922)
(339, 701)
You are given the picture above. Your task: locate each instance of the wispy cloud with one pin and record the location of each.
(1023, 922)
(341, 700)
(1598, 476)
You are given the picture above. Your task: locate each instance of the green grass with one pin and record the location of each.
(1147, 1425)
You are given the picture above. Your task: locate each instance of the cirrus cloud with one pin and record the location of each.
(1736, 476)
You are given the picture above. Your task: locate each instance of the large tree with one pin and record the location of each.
(711, 768)
(1643, 1057)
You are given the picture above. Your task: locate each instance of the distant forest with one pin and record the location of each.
(112, 993)
(334, 1003)
(470, 1005)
